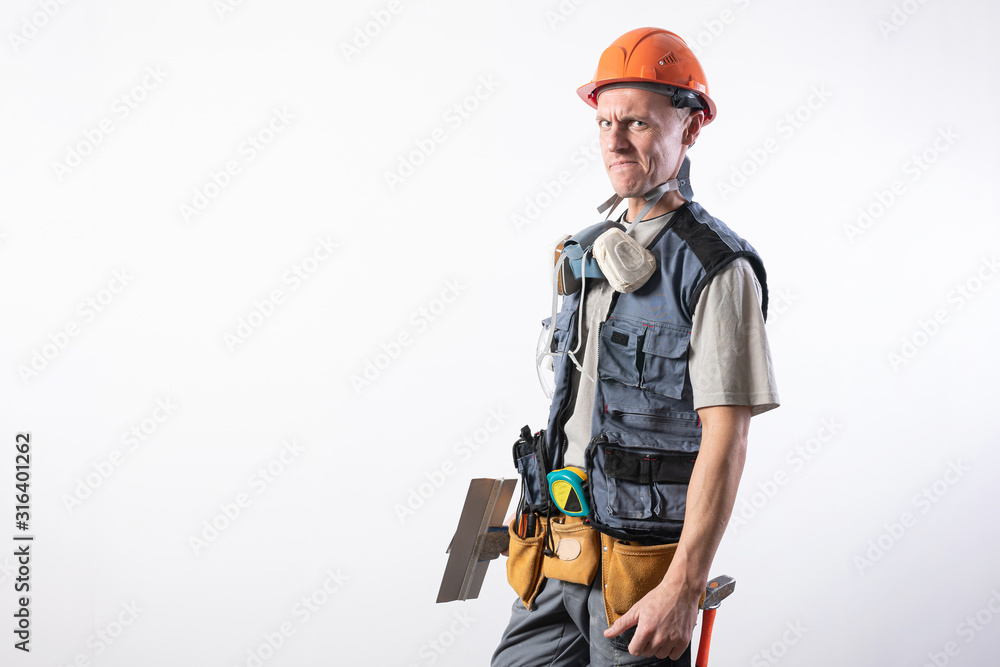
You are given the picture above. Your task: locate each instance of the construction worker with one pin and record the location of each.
(658, 359)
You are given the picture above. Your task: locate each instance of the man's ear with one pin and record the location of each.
(694, 122)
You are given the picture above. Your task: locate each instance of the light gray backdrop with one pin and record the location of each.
(273, 275)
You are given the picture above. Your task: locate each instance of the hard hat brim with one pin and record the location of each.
(587, 93)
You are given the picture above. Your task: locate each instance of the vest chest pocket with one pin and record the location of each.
(618, 355)
(664, 360)
(650, 356)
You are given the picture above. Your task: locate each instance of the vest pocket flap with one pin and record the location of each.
(636, 490)
(669, 343)
(665, 360)
(617, 358)
(638, 467)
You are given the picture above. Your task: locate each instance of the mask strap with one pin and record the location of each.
(682, 183)
(611, 203)
(684, 178)
(651, 198)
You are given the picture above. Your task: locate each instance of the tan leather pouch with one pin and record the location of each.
(524, 563)
(577, 551)
(630, 571)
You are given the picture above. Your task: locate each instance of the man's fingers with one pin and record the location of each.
(643, 642)
(506, 552)
(622, 624)
(654, 646)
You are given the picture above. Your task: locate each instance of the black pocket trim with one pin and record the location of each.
(639, 468)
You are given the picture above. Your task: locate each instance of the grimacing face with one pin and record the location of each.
(643, 138)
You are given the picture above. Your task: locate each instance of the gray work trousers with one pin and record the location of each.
(565, 628)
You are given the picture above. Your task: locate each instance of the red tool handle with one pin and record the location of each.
(707, 621)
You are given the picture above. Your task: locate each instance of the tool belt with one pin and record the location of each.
(628, 570)
(547, 544)
(575, 556)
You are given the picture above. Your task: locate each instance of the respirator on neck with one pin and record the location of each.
(611, 255)
(614, 255)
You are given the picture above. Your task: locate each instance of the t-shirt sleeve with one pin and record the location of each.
(729, 359)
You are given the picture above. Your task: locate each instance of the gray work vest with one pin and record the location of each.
(646, 433)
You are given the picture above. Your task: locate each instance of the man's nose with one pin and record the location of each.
(615, 138)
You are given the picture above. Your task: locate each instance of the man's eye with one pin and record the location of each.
(604, 124)
(638, 123)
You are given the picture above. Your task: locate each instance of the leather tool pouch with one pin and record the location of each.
(577, 551)
(533, 465)
(524, 563)
(629, 571)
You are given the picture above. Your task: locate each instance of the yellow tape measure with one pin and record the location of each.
(567, 488)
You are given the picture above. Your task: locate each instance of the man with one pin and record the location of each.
(660, 359)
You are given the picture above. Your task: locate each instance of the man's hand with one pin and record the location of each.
(665, 617)
(510, 520)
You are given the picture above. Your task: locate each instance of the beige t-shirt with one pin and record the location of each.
(729, 359)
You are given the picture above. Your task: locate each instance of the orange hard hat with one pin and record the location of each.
(652, 56)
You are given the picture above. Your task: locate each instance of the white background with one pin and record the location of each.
(822, 108)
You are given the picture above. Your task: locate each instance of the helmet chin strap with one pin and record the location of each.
(682, 184)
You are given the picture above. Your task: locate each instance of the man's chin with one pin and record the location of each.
(629, 193)
(623, 190)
